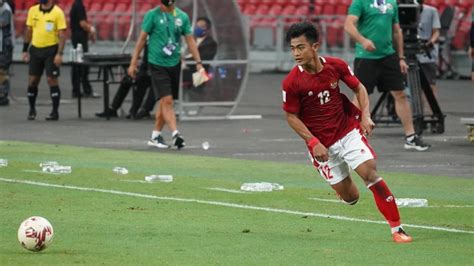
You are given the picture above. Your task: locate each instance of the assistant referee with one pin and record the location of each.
(45, 28)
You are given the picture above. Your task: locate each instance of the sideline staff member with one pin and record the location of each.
(375, 27)
(165, 25)
(45, 29)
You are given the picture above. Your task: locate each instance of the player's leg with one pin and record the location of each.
(358, 153)
(336, 172)
(384, 199)
(52, 72)
(36, 68)
(347, 191)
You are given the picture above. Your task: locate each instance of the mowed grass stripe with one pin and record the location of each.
(226, 204)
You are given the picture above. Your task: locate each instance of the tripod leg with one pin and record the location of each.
(379, 103)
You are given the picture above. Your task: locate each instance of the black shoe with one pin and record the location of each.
(75, 95)
(110, 112)
(178, 141)
(32, 114)
(4, 101)
(416, 144)
(91, 95)
(52, 117)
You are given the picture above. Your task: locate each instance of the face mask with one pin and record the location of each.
(167, 2)
(43, 2)
(199, 32)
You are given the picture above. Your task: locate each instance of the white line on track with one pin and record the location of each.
(231, 205)
(226, 190)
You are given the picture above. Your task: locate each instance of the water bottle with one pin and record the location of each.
(57, 169)
(161, 178)
(411, 202)
(72, 55)
(79, 53)
(120, 170)
(3, 163)
(205, 145)
(261, 187)
(256, 187)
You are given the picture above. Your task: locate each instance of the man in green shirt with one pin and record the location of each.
(374, 25)
(164, 26)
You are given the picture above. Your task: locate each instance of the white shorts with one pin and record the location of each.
(350, 151)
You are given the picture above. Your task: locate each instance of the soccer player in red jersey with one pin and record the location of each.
(332, 127)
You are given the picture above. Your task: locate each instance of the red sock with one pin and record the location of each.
(385, 202)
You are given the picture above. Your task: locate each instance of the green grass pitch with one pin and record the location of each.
(120, 220)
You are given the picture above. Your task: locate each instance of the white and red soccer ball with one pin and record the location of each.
(35, 233)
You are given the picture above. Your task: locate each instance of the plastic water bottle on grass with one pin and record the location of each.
(160, 178)
(57, 169)
(120, 170)
(3, 163)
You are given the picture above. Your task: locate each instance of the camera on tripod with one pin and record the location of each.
(409, 18)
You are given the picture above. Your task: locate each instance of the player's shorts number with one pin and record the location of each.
(326, 171)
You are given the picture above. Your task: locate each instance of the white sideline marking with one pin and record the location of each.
(226, 190)
(326, 200)
(232, 205)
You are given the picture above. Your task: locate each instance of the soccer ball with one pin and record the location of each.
(35, 233)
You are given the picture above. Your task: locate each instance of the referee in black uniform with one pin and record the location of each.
(45, 27)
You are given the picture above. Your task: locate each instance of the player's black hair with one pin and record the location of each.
(205, 19)
(303, 28)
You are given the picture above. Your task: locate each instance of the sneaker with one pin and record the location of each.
(417, 144)
(178, 141)
(401, 237)
(32, 114)
(158, 142)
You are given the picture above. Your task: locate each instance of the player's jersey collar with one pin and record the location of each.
(322, 59)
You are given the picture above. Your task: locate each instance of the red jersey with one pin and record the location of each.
(318, 101)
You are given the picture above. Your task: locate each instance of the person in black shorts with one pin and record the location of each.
(45, 29)
(375, 27)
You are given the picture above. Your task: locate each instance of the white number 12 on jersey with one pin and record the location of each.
(324, 97)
